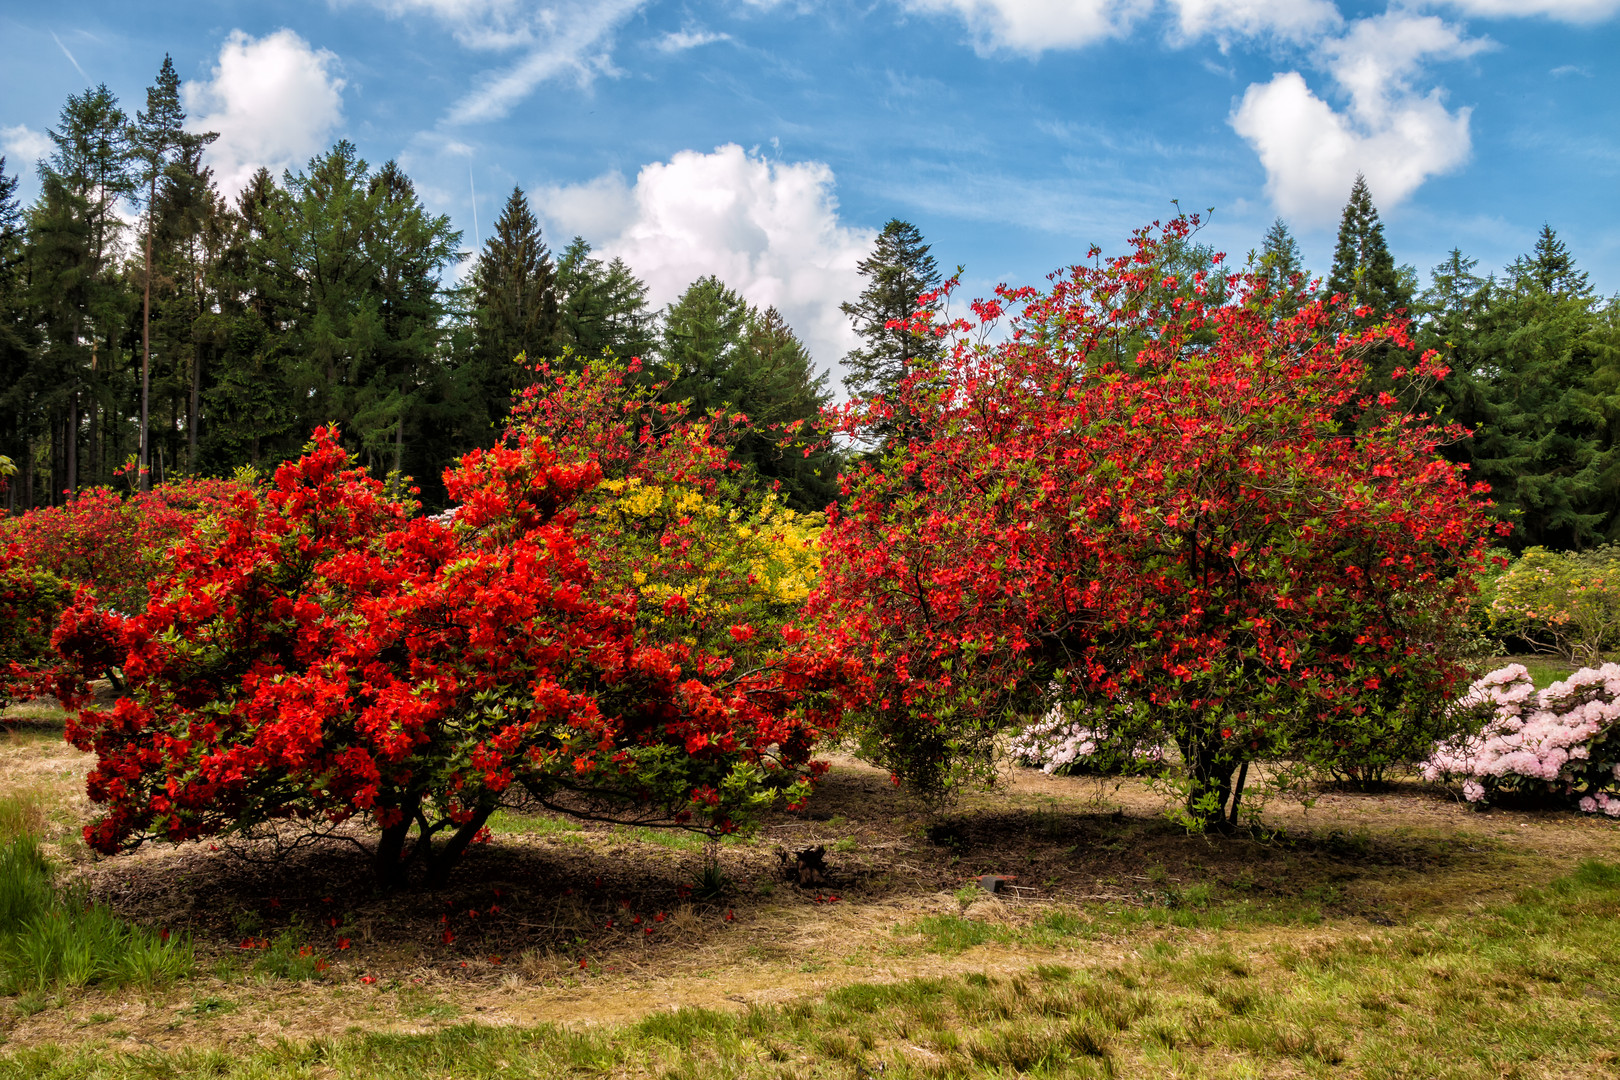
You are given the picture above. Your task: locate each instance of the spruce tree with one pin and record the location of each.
(601, 307)
(1281, 269)
(703, 334)
(719, 352)
(15, 345)
(76, 292)
(1550, 268)
(1363, 269)
(899, 270)
(780, 389)
(1546, 441)
(514, 297)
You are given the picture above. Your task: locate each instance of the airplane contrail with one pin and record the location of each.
(69, 55)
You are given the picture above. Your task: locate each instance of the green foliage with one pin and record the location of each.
(514, 313)
(1280, 270)
(601, 308)
(1535, 364)
(719, 352)
(898, 273)
(1363, 268)
(31, 601)
(1564, 603)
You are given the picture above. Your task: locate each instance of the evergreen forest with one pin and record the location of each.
(154, 327)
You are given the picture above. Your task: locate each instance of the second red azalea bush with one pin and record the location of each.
(326, 656)
(1155, 500)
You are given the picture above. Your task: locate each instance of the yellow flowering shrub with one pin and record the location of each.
(727, 564)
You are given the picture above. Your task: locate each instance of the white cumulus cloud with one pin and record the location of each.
(768, 229)
(274, 100)
(23, 146)
(1397, 135)
(558, 39)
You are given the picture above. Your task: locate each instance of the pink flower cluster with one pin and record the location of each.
(1562, 741)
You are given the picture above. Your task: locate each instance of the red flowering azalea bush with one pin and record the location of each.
(1160, 502)
(31, 601)
(114, 544)
(330, 658)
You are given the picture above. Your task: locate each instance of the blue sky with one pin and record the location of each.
(768, 141)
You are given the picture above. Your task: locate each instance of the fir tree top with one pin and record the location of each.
(898, 271)
(1550, 268)
(1363, 269)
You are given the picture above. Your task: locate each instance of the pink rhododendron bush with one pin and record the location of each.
(1563, 741)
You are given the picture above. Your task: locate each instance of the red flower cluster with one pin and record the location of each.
(1158, 499)
(324, 656)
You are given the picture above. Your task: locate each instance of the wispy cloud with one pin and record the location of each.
(561, 39)
(682, 40)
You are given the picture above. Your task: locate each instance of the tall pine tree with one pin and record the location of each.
(1281, 269)
(157, 140)
(16, 352)
(77, 294)
(601, 307)
(721, 353)
(1546, 353)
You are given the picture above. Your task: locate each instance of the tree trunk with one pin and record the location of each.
(71, 443)
(387, 861)
(146, 340)
(1237, 794)
(58, 426)
(191, 413)
(399, 439)
(1209, 770)
(440, 864)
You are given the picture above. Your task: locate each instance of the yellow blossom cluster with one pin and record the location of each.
(730, 564)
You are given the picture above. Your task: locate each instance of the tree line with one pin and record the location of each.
(201, 333)
(204, 333)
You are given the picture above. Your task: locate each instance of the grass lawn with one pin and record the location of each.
(1401, 934)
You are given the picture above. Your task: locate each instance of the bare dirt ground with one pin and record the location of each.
(590, 925)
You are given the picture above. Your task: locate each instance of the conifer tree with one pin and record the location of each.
(158, 139)
(601, 307)
(1282, 269)
(1550, 268)
(514, 300)
(1542, 352)
(15, 351)
(1363, 269)
(702, 337)
(899, 270)
(75, 291)
(721, 353)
